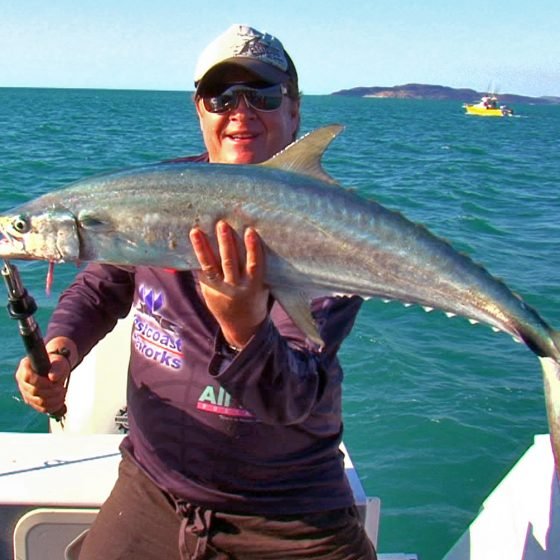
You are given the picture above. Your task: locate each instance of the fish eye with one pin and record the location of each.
(21, 224)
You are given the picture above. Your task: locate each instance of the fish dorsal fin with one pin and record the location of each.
(304, 155)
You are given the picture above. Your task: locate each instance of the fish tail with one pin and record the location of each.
(551, 379)
(555, 335)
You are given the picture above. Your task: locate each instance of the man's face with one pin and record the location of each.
(244, 134)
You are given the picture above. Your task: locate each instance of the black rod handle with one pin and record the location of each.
(21, 306)
(37, 353)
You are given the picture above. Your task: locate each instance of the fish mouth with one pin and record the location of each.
(4, 239)
(11, 246)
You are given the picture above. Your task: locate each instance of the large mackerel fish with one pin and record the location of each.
(320, 239)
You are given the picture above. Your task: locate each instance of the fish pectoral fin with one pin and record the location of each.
(296, 305)
(96, 222)
(96, 225)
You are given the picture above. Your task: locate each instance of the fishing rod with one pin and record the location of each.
(21, 307)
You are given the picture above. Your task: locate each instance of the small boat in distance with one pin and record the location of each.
(488, 107)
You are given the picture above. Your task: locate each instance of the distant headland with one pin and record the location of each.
(423, 91)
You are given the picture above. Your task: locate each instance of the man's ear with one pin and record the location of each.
(296, 118)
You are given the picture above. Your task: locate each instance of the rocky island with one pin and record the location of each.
(424, 91)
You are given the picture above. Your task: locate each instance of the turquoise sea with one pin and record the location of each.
(436, 410)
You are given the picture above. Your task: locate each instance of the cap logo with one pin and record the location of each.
(259, 47)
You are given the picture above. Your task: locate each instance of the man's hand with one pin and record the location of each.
(47, 394)
(232, 282)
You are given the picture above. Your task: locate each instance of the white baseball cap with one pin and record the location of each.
(260, 53)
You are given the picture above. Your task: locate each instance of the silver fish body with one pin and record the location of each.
(320, 239)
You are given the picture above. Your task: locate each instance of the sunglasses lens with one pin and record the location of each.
(265, 100)
(220, 103)
(261, 99)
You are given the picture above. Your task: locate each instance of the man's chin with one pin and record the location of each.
(244, 157)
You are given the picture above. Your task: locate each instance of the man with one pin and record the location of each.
(235, 418)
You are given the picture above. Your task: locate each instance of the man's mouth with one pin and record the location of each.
(241, 136)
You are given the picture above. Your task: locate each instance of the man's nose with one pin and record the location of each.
(242, 106)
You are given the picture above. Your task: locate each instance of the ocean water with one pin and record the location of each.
(436, 410)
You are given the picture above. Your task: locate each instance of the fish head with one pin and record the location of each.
(48, 234)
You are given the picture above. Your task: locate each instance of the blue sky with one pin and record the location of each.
(509, 46)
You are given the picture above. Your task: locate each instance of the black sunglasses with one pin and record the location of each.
(261, 99)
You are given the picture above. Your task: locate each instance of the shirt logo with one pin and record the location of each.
(217, 400)
(154, 336)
